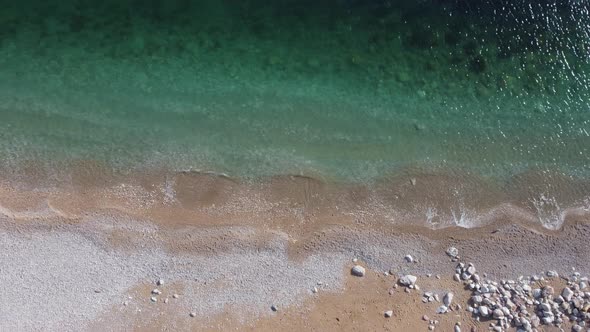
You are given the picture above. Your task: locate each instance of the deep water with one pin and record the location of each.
(341, 89)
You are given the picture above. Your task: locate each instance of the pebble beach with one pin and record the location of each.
(119, 269)
(295, 165)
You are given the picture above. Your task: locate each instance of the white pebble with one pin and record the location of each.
(453, 252)
(408, 280)
(447, 299)
(388, 313)
(358, 271)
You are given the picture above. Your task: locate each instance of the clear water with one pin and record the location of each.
(340, 89)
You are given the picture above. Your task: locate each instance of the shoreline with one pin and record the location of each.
(101, 270)
(86, 255)
(409, 199)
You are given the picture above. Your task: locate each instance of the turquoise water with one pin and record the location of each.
(348, 90)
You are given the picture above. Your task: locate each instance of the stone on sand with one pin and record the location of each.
(358, 271)
(408, 280)
(453, 252)
(448, 299)
(388, 313)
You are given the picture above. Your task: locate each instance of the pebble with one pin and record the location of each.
(452, 252)
(448, 299)
(567, 294)
(484, 311)
(552, 274)
(166, 300)
(457, 328)
(274, 308)
(125, 303)
(409, 259)
(548, 291)
(315, 290)
(358, 271)
(431, 327)
(425, 318)
(156, 292)
(175, 296)
(193, 314)
(388, 313)
(442, 309)
(153, 299)
(498, 313)
(160, 282)
(408, 280)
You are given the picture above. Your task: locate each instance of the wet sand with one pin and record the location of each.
(85, 254)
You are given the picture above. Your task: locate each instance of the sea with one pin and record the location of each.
(343, 91)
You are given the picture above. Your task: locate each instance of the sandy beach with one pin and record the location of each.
(295, 165)
(272, 255)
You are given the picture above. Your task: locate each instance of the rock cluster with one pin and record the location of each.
(526, 303)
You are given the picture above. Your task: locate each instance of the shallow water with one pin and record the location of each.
(341, 90)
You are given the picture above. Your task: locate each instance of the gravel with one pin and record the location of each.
(53, 271)
(53, 274)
